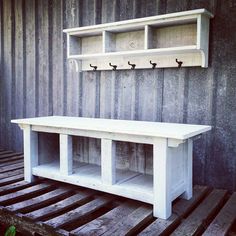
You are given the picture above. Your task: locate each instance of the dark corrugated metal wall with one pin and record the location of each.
(37, 80)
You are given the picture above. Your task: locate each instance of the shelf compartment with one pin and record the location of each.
(84, 45)
(124, 41)
(172, 36)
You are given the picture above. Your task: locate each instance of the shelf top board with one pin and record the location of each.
(139, 23)
(143, 128)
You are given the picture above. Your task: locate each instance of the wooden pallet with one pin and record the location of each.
(52, 208)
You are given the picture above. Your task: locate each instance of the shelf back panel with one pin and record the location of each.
(126, 41)
(174, 36)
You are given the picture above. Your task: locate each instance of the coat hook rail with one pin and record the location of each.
(179, 63)
(132, 65)
(153, 64)
(94, 67)
(114, 66)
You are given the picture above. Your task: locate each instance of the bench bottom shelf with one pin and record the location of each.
(128, 184)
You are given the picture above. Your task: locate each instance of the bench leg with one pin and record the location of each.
(30, 152)
(188, 169)
(161, 179)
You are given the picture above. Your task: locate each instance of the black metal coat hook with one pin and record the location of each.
(179, 63)
(132, 65)
(153, 64)
(114, 66)
(94, 67)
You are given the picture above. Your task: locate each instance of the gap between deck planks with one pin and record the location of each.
(52, 208)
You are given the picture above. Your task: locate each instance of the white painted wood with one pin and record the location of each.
(172, 157)
(66, 158)
(185, 33)
(108, 162)
(129, 127)
(96, 134)
(177, 167)
(140, 52)
(30, 152)
(148, 37)
(161, 179)
(162, 61)
(179, 17)
(203, 38)
(107, 42)
(175, 142)
(174, 36)
(188, 170)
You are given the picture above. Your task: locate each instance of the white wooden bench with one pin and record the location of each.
(172, 157)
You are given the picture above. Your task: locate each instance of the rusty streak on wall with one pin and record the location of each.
(38, 80)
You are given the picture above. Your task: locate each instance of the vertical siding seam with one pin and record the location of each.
(162, 94)
(24, 58)
(80, 77)
(50, 62)
(13, 76)
(1, 77)
(64, 60)
(36, 60)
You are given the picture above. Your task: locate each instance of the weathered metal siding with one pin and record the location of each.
(38, 80)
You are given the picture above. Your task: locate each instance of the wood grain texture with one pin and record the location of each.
(47, 208)
(42, 51)
(60, 206)
(52, 85)
(8, 84)
(202, 214)
(30, 58)
(224, 220)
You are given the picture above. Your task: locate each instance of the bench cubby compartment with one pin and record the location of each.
(48, 149)
(86, 163)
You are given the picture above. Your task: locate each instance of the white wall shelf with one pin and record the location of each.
(161, 39)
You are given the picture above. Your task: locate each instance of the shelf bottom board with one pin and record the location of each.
(129, 184)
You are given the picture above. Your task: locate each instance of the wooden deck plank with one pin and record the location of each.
(107, 221)
(11, 173)
(5, 152)
(28, 227)
(180, 208)
(39, 201)
(196, 221)
(60, 206)
(14, 187)
(13, 158)
(11, 167)
(79, 212)
(183, 207)
(224, 220)
(131, 223)
(8, 155)
(12, 179)
(27, 192)
(11, 163)
(48, 209)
